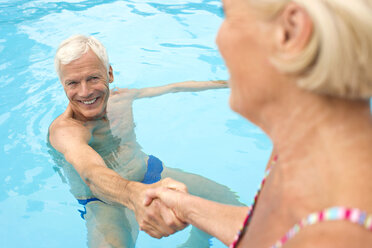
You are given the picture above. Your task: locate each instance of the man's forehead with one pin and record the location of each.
(80, 73)
(82, 66)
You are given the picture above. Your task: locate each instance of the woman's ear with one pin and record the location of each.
(295, 29)
(111, 75)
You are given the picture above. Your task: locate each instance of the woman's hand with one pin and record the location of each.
(172, 194)
(154, 217)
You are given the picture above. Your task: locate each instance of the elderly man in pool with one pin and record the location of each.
(109, 173)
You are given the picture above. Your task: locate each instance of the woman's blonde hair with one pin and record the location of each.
(75, 46)
(338, 58)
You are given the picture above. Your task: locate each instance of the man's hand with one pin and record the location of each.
(155, 218)
(171, 195)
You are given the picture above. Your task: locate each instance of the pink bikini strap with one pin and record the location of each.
(353, 215)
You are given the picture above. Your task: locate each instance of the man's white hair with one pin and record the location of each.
(77, 45)
(338, 59)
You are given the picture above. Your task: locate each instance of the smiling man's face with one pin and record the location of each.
(86, 83)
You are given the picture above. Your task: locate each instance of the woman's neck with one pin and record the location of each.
(302, 123)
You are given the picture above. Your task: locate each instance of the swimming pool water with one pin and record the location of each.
(149, 43)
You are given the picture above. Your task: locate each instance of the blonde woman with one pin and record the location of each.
(302, 71)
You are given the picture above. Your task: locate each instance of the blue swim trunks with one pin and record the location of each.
(153, 175)
(154, 170)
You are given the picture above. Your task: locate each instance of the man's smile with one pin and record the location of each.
(88, 102)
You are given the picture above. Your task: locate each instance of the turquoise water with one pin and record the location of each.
(149, 43)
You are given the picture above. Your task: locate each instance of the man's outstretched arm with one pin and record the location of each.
(71, 139)
(187, 86)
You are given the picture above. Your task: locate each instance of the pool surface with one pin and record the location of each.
(150, 43)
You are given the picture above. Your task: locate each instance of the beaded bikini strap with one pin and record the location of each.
(353, 215)
(250, 211)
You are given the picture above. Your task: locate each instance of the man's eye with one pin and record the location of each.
(71, 83)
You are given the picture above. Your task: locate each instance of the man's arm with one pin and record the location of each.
(187, 86)
(71, 139)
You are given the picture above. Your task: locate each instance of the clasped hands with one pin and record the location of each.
(157, 207)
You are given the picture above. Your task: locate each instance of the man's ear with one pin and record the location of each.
(294, 29)
(111, 75)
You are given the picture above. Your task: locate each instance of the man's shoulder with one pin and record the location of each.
(63, 122)
(66, 128)
(124, 93)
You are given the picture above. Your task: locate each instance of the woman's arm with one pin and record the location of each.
(219, 220)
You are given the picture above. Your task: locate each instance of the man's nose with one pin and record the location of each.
(84, 90)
